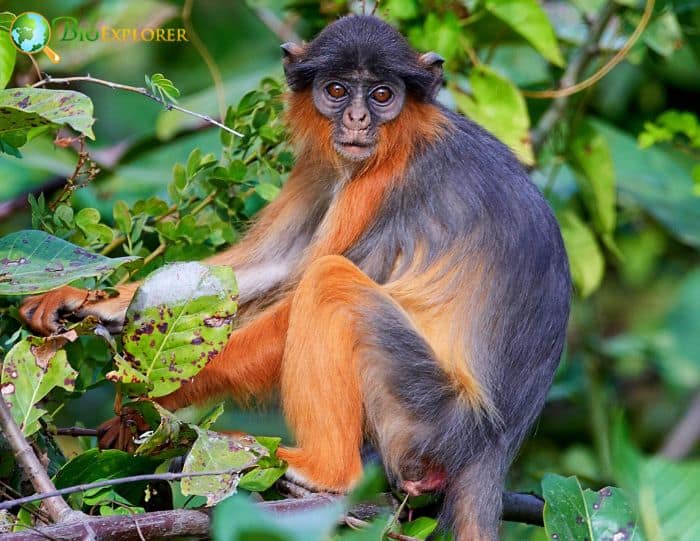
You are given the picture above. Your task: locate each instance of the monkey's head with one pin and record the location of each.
(360, 72)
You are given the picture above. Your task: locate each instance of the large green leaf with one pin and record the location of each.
(575, 514)
(252, 522)
(596, 175)
(31, 369)
(24, 112)
(32, 261)
(585, 258)
(657, 180)
(8, 55)
(667, 493)
(214, 451)
(498, 106)
(179, 319)
(528, 19)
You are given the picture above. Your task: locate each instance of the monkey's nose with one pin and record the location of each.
(356, 119)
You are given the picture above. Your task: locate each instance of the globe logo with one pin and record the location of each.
(30, 33)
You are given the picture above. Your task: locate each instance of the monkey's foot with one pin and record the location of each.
(433, 481)
(120, 432)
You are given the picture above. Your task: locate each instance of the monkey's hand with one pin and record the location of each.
(47, 313)
(121, 431)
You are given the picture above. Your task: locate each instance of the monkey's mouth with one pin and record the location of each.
(355, 150)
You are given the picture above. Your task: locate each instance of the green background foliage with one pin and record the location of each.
(620, 167)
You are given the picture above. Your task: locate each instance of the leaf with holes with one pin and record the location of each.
(575, 514)
(214, 451)
(26, 112)
(178, 321)
(32, 261)
(31, 369)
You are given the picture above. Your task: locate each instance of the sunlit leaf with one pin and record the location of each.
(527, 18)
(498, 106)
(178, 320)
(585, 257)
(23, 111)
(8, 55)
(31, 369)
(214, 452)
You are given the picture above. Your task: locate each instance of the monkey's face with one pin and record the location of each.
(357, 106)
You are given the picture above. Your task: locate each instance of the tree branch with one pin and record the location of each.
(137, 90)
(56, 507)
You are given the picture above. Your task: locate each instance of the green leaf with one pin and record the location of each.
(31, 369)
(24, 109)
(32, 261)
(664, 34)
(592, 159)
(254, 523)
(441, 35)
(575, 514)
(170, 333)
(8, 55)
(267, 191)
(214, 451)
(657, 180)
(585, 258)
(527, 18)
(420, 528)
(6, 20)
(260, 479)
(172, 437)
(122, 216)
(499, 107)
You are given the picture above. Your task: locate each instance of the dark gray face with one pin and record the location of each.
(357, 107)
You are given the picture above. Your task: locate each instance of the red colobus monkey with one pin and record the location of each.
(409, 286)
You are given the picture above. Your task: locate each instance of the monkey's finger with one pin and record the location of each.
(108, 433)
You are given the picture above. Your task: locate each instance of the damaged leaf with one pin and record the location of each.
(31, 369)
(218, 452)
(179, 320)
(32, 261)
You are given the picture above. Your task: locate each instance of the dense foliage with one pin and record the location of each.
(615, 454)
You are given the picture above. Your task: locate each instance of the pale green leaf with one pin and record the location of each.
(178, 320)
(8, 55)
(592, 160)
(499, 107)
(214, 451)
(527, 18)
(31, 369)
(585, 257)
(25, 110)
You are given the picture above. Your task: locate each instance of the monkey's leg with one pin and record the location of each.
(320, 379)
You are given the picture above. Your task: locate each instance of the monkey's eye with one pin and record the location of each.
(382, 94)
(336, 91)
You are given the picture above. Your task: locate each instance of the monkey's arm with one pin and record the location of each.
(263, 259)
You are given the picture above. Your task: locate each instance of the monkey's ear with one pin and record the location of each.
(433, 63)
(292, 52)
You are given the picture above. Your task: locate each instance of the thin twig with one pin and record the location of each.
(279, 28)
(685, 434)
(57, 508)
(199, 46)
(605, 69)
(75, 431)
(137, 90)
(106, 483)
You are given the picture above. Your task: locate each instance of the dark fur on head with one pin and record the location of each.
(365, 43)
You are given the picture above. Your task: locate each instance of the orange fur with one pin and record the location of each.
(325, 411)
